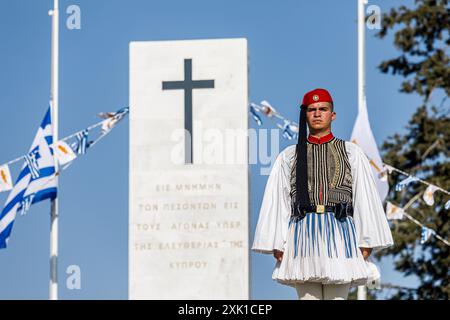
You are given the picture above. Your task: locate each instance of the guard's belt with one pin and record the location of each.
(340, 210)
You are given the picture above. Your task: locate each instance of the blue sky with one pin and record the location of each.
(294, 46)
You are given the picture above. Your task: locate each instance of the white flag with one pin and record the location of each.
(108, 124)
(428, 195)
(383, 175)
(64, 153)
(362, 135)
(5, 178)
(393, 212)
(267, 109)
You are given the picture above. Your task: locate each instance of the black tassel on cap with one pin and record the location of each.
(301, 183)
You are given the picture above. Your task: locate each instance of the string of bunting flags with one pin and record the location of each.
(37, 180)
(64, 151)
(289, 128)
(394, 212)
(388, 286)
(290, 131)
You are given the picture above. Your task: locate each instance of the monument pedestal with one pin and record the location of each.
(189, 177)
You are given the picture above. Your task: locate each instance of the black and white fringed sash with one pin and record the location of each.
(301, 177)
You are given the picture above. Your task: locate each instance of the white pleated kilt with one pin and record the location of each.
(320, 248)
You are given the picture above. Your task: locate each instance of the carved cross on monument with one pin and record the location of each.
(188, 85)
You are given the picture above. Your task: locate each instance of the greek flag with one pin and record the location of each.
(255, 116)
(82, 139)
(32, 163)
(36, 181)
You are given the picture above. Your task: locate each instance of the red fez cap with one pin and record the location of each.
(317, 95)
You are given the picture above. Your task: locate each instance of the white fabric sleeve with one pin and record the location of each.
(272, 227)
(371, 224)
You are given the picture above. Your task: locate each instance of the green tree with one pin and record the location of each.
(422, 36)
(423, 152)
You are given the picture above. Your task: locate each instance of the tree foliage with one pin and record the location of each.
(422, 37)
(423, 152)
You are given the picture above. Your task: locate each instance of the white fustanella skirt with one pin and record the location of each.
(321, 248)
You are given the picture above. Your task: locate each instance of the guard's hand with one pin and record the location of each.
(278, 255)
(366, 252)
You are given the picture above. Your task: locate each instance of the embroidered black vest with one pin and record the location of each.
(329, 173)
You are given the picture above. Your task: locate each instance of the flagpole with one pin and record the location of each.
(362, 290)
(361, 55)
(53, 285)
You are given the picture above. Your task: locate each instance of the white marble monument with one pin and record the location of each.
(189, 202)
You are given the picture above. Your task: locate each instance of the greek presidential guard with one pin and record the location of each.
(321, 214)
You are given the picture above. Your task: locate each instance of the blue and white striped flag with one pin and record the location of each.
(288, 130)
(25, 204)
(32, 163)
(402, 184)
(31, 188)
(425, 234)
(82, 139)
(255, 116)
